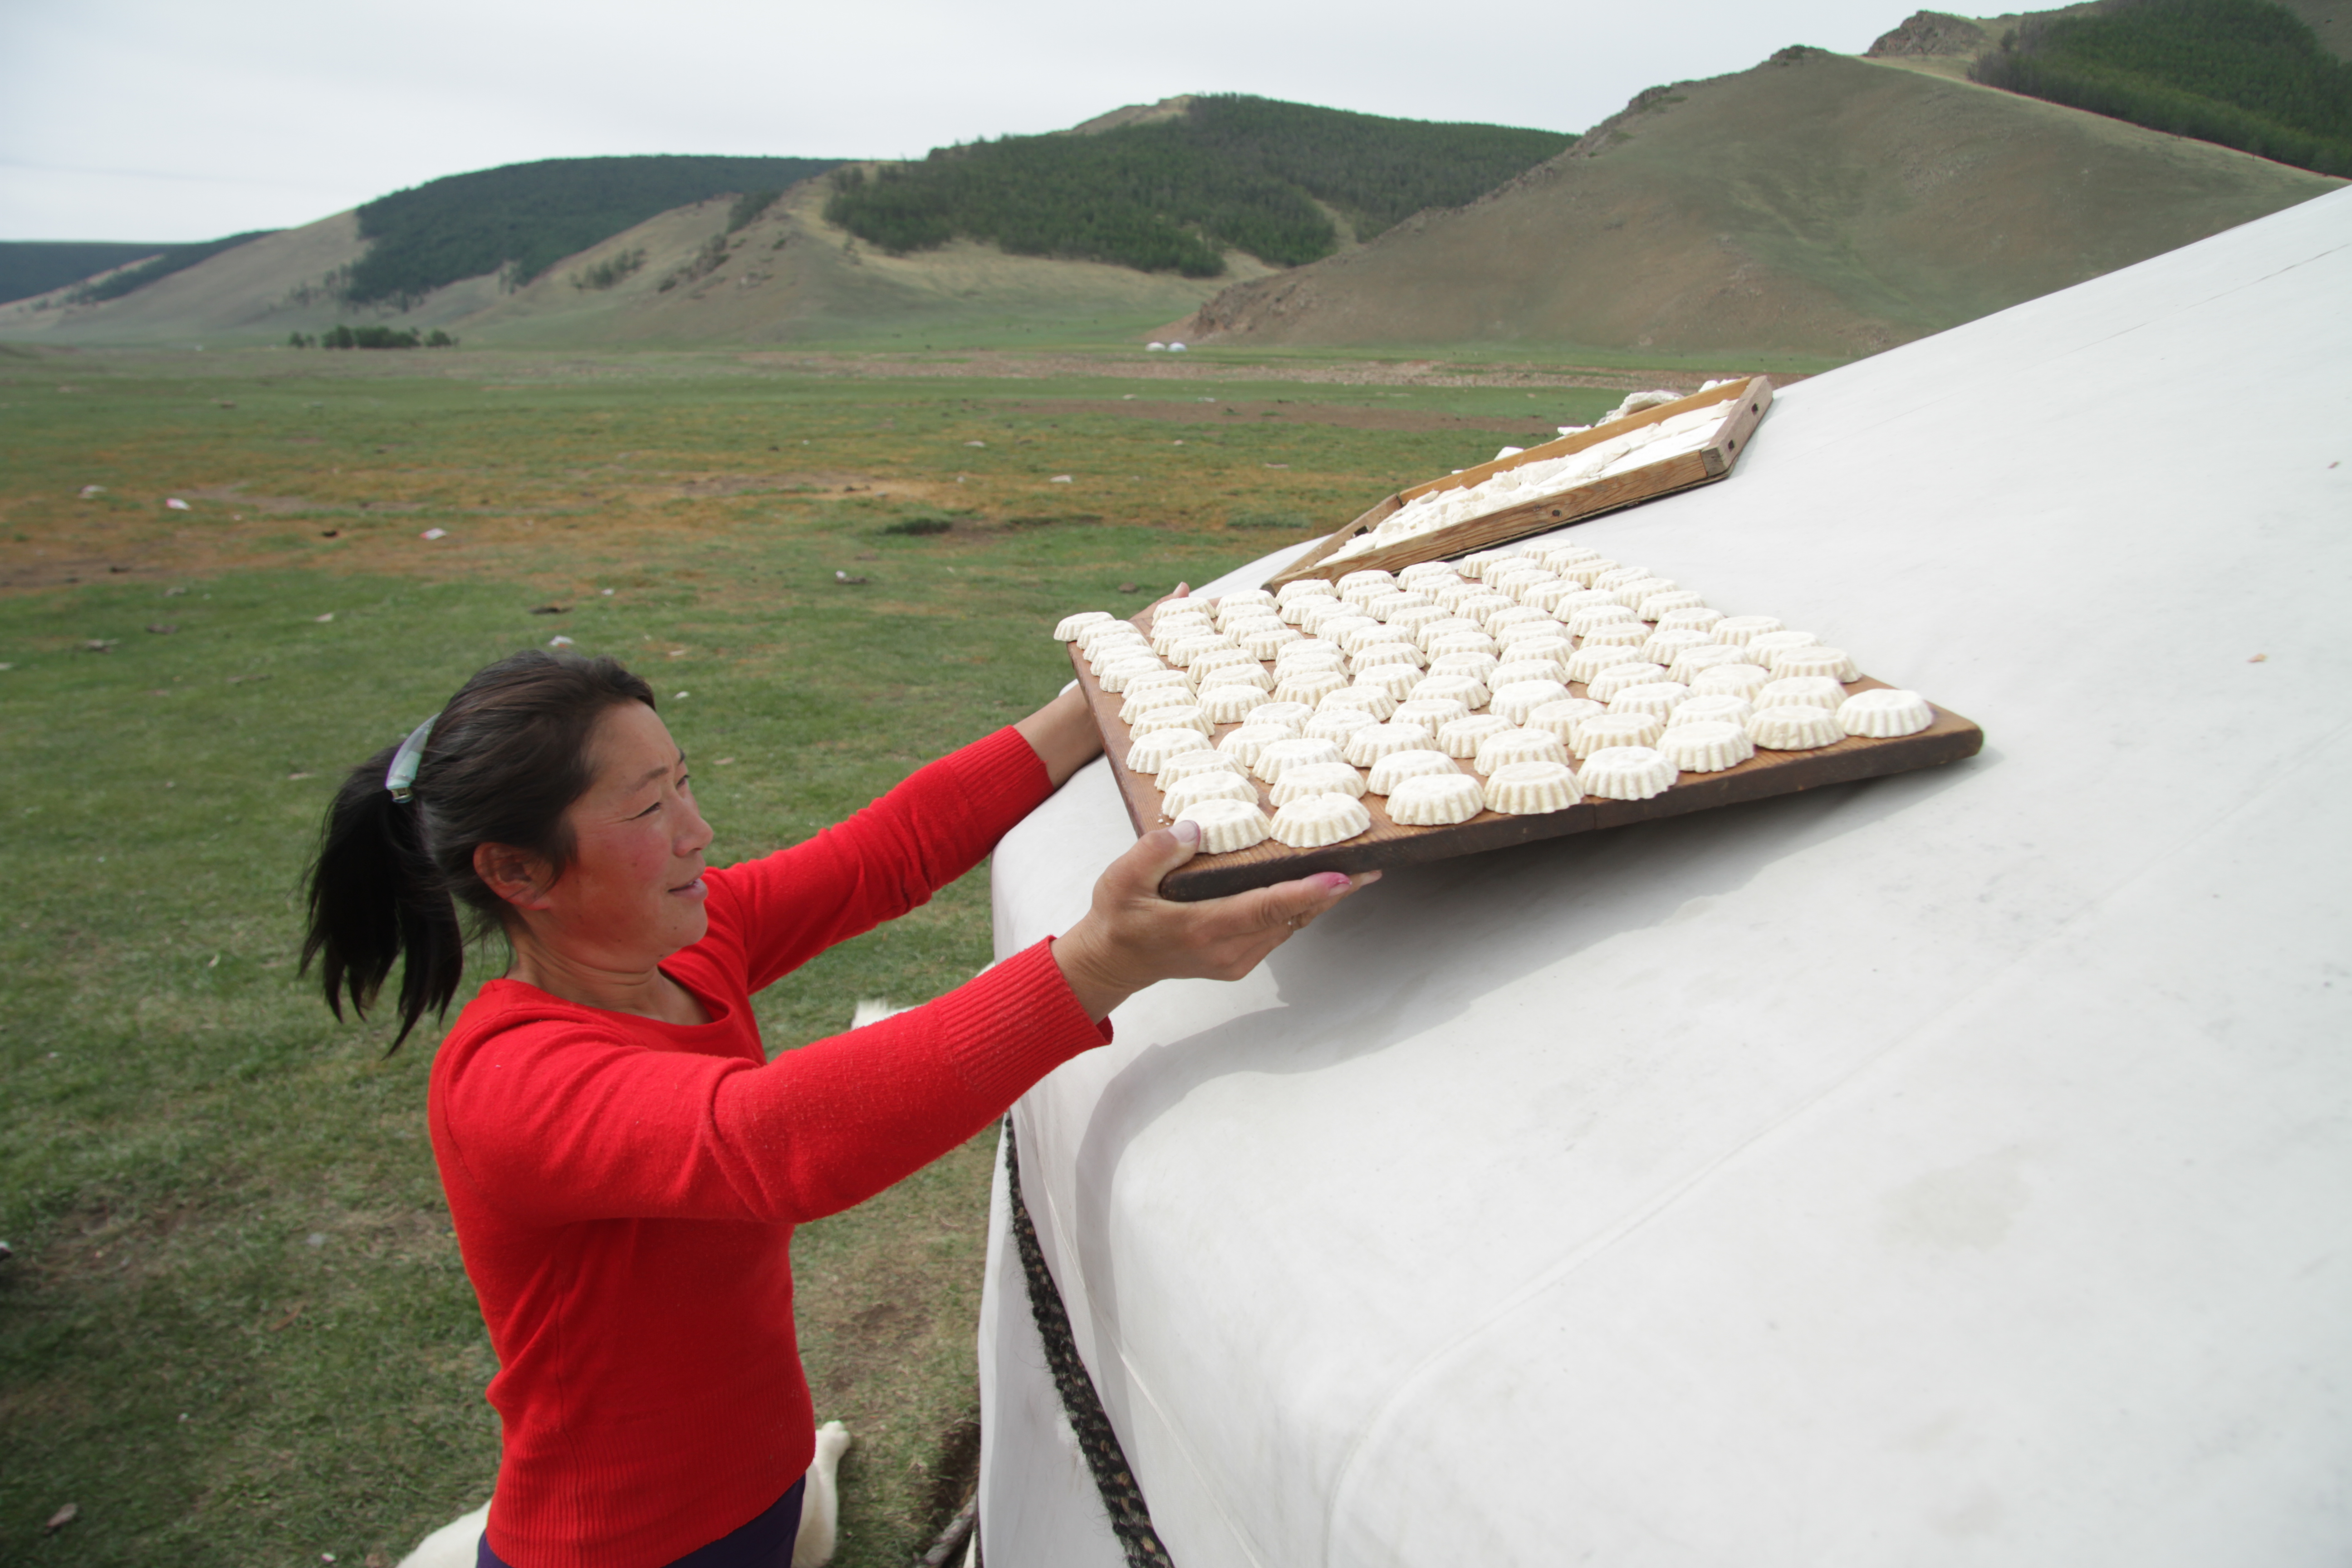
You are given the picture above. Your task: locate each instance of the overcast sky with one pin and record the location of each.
(142, 120)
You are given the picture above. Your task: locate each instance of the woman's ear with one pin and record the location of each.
(518, 876)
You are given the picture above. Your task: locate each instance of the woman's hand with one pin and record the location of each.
(1133, 938)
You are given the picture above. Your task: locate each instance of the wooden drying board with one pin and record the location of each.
(1385, 844)
(1744, 404)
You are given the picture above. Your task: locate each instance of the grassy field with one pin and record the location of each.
(236, 1329)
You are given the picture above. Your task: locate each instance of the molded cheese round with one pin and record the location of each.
(1810, 691)
(1626, 773)
(1279, 754)
(1798, 727)
(1658, 697)
(1435, 800)
(1367, 745)
(1397, 766)
(1315, 778)
(1205, 786)
(1519, 745)
(1885, 712)
(1529, 788)
(1707, 746)
(1227, 825)
(1616, 677)
(1313, 821)
(1149, 752)
(1461, 737)
(1603, 730)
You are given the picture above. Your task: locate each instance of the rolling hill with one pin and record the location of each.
(1817, 205)
(2247, 74)
(30, 267)
(1174, 186)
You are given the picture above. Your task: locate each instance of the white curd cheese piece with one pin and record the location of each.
(1658, 697)
(1519, 745)
(1531, 787)
(1435, 800)
(1397, 766)
(1149, 752)
(1602, 731)
(1301, 779)
(1461, 737)
(1313, 821)
(1798, 727)
(1885, 712)
(1744, 681)
(1706, 747)
(1227, 825)
(1626, 773)
(1809, 690)
(1205, 786)
(1278, 754)
(1184, 764)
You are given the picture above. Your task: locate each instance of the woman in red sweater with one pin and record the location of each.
(624, 1165)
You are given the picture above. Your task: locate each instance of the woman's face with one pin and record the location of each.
(633, 893)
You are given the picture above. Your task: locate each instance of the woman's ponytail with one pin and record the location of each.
(394, 875)
(376, 896)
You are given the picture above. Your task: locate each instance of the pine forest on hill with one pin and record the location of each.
(523, 218)
(172, 258)
(30, 267)
(2243, 73)
(1169, 195)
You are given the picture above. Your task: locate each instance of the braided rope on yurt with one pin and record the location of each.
(1130, 1519)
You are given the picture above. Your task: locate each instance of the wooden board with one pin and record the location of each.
(1743, 403)
(1386, 844)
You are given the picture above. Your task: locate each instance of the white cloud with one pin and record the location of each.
(141, 119)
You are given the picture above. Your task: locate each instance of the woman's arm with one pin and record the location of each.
(1063, 734)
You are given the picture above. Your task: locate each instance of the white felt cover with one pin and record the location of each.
(1947, 1169)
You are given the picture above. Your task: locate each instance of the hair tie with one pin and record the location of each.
(401, 778)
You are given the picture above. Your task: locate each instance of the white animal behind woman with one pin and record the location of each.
(624, 1165)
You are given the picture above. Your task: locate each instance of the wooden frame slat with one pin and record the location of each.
(1745, 405)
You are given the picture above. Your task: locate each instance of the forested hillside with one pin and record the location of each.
(30, 267)
(524, 217)
(172, 258)
(2243, 73)
(1172, 195)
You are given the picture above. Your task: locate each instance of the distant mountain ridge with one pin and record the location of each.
(1172, 187)
(1817, 205)
(30, 267)
(520, 219)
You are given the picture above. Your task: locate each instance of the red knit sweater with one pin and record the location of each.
(624, 1190)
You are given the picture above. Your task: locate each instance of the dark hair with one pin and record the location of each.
(506, 757)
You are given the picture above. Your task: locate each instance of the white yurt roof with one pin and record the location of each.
(1952, 1168)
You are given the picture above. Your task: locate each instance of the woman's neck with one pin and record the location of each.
(646, 993)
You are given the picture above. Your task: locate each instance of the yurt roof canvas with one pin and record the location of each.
(1950, 1168)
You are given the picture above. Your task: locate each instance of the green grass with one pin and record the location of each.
(236, 1331)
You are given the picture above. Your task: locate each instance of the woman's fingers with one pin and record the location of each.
(1133, 937)
(1155, 855)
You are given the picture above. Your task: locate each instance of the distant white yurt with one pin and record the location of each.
(1954, 1168)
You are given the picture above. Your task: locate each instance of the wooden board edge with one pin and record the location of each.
(1950, 739)
(1681, 472)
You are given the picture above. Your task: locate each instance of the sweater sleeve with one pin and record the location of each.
(783, 910)
(555, 1123)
